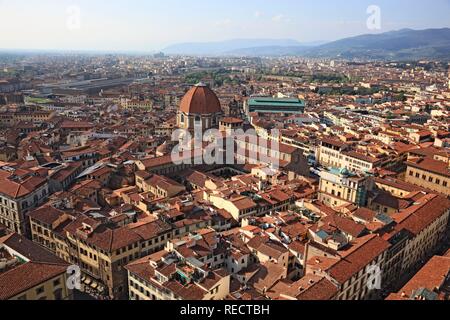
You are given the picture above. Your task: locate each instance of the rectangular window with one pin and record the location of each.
(40, 290)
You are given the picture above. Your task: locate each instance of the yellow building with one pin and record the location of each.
(397, 188)
(229, 125)
(355, 273)
(29, 272)
(335, 153)
(190, 268)
(160, 186)
(99, 251)
(238, 207)
(420, 229)
(341, 187)
(9, 119)
(134, 104)
(20, 192)
(267, 251)
(427, 220)
(429, 173)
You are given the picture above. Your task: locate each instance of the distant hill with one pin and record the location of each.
(402, 44)
(405, 44)
(269, 51)
(225, 47)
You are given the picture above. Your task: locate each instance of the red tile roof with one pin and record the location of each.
(42, 266)
(432, 276)
(18, 188)
(418, 217)
(353, 263)
(200, 100)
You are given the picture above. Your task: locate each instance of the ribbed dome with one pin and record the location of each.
(200, 100)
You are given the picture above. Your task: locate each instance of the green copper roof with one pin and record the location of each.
(273, 102)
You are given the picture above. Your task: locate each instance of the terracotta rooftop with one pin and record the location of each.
(432, 277)
(419, 216)
(42, 266)
(18, 188)
(434, 166)
(353, 263)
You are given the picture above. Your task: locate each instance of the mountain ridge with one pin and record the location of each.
(415, 44)
(397, 44)
(221, 47)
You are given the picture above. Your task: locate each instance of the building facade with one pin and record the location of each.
(341, 187)
(199, 110)
(20, 192)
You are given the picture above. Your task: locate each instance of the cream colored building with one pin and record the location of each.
(134, 104)
(341, 187)
(419, 231)
(358, 274)
(100, 252)
(160, 186)
(334, 153)
(29, 272)
(9, 119)
(429, 173)
(182, 271)
(428, 222)
(239, 207)
(20, 192)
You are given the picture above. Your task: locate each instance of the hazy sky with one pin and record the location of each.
(152, 24)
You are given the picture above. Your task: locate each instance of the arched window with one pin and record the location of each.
(182, 118)
(198, 119)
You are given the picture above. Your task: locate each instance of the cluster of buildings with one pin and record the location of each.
(339, 192)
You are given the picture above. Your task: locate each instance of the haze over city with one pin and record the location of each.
(153, 25)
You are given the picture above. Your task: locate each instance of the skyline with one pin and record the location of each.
(153, 25)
